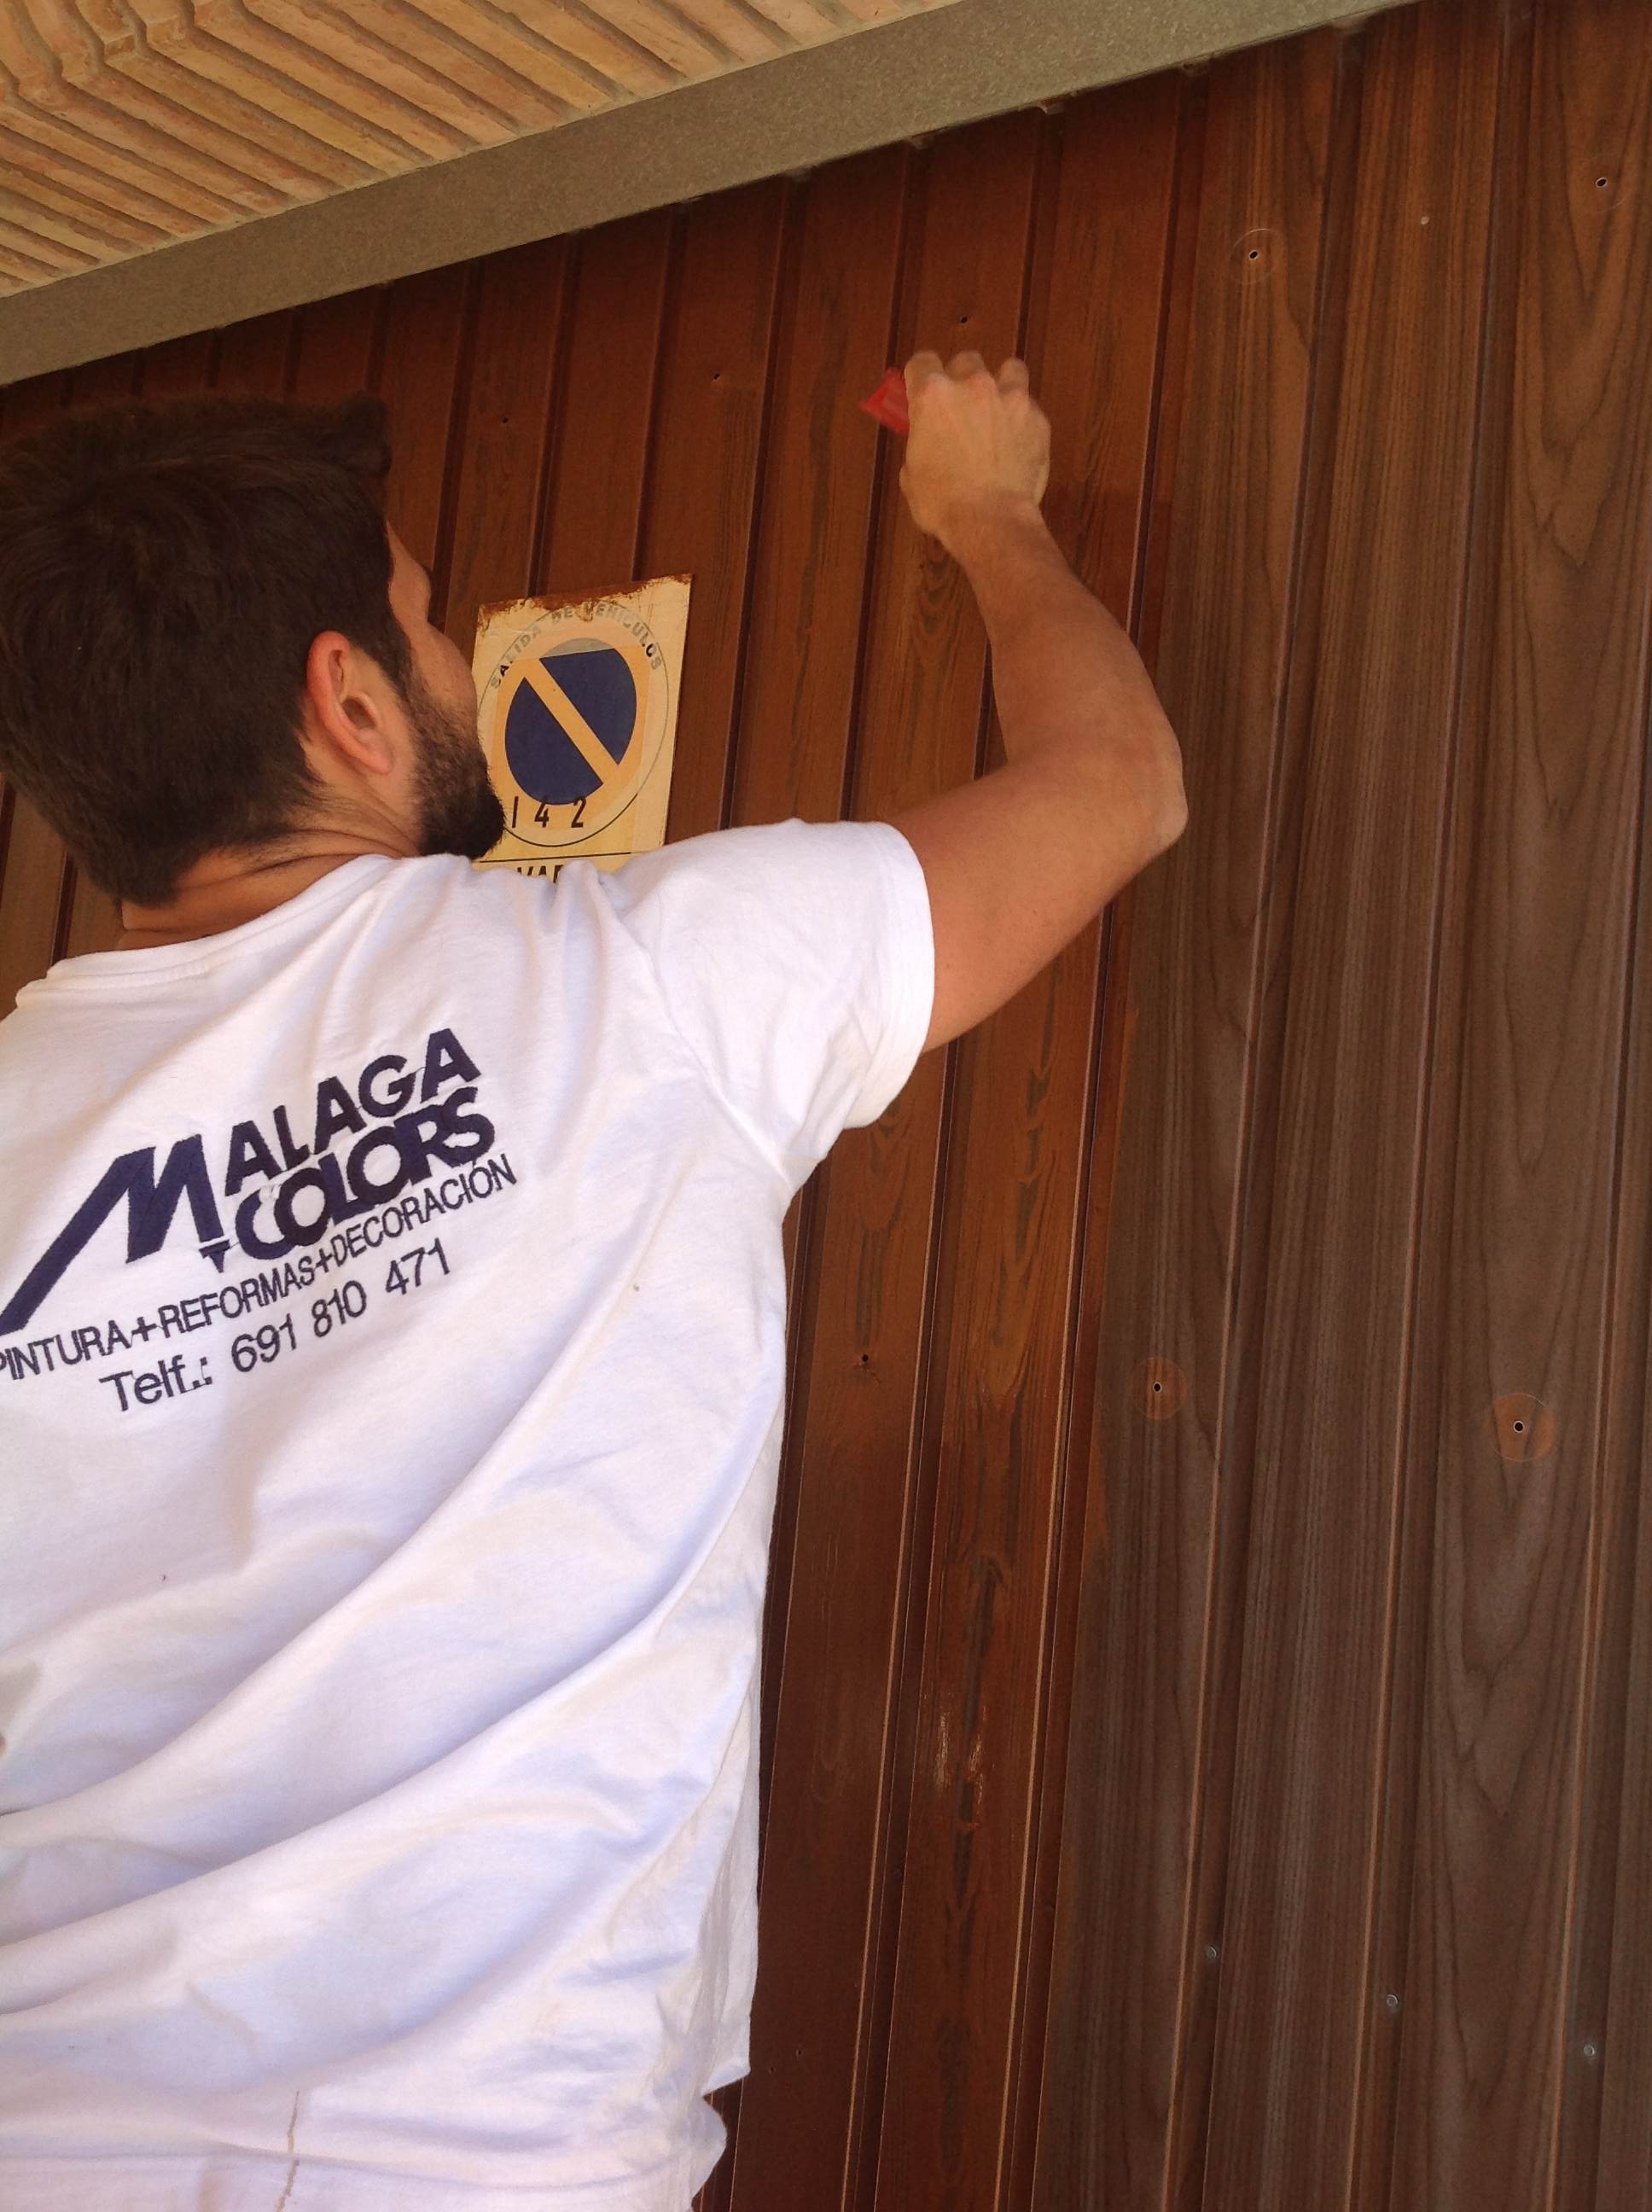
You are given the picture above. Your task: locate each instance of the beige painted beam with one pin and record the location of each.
(817, 102)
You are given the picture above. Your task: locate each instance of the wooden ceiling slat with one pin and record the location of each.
(134, 125)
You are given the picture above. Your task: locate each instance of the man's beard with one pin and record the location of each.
(459, 809)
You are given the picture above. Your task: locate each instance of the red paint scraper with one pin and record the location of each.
(888, 404)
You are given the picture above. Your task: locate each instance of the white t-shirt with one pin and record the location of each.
(392, 1354)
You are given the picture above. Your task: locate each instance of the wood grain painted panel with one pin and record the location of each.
(33, 866)
(96, 382)
(704, 481)
(733, 296)
(1372, 2161)
(822, 473)
(1096, 347)
(1532, 1015)
(797, 705)
(1121, 2000)
(256, 356)
(915, 728)
(807, 602)
(504, 435)
(179, 366)
(918, 721)
(1324, 1332)
(1058, 2139)
(817, 252)
(337, 345)
(1605, 2151)
(797, 712)
(419, 375)
(999, 1375)
(25, 406)
(1605, 2154)
(610, 371)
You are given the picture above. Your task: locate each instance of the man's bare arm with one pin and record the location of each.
(1019, 862)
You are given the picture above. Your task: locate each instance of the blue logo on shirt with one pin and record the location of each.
(398, 1118)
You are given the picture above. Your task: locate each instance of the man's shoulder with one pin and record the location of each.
(447, 880)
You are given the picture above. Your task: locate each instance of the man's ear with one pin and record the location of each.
(344, 707)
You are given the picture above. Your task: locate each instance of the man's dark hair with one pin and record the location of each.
(163, 571)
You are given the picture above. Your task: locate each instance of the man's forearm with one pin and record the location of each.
(1072, 691)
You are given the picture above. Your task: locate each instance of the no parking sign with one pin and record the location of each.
(578, 703)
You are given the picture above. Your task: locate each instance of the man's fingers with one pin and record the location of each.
(1012, 377)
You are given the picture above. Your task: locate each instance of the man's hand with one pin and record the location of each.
(979, 448)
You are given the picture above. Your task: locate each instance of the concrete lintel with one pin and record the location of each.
(907, 79)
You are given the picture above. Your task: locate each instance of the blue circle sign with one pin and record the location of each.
(541, 736)
(576, 713)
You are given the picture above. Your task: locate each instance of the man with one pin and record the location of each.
(391, 1329)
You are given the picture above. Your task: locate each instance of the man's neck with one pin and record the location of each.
(224, 890)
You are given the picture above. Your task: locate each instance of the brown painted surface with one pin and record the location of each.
(1208, 1656)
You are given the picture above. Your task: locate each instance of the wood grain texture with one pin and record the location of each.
(591, 539)
(1606, 2142)
(799, 697)
(703, 487)
(861, 1510)
(1529, 1060)
(1097, 346)
(921, 706)
(421, 365)
(823, 470)
(96, 382)
(256, 357)
(1330, 1208)
(798, 711)
(1605, 2059)
(218, 110)
(799, 690)
(504, 437)
(179, 366)
(1605, 2149)
(999, 1374)
(339, 342)
(1123, 2009)
(35, 872)
(1371, 2161)
(24, 407)
(843, 240)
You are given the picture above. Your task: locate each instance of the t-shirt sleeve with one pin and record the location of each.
(796, 962)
